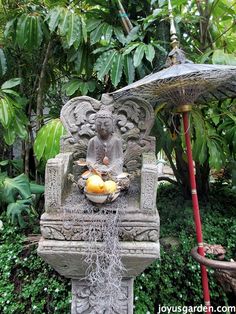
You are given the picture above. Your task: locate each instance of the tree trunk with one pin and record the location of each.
(40, 94)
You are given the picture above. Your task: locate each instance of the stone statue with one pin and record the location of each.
(105, 154)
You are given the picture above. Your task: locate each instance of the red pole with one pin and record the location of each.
(196, 212)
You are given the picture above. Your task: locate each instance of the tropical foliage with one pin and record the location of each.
(54, 50)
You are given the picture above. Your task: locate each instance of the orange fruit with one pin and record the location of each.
(110, 186)
(95, 184)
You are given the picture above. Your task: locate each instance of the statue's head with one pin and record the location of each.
(104, 122)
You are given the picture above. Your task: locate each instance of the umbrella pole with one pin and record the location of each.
(196, 212)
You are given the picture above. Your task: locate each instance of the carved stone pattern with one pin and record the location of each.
(83, 250)
(133, 120)
(148, 190)
(53, 194)
(75, 233)
(78, 118)
(84, 300)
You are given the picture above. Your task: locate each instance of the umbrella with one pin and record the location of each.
(180, 85)
(184, 83)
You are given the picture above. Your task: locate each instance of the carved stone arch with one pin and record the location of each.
(77, 116)
(134, 118)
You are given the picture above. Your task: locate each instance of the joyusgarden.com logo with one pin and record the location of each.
(195, 309)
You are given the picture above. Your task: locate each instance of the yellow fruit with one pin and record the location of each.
(110, 186)
(95, 184)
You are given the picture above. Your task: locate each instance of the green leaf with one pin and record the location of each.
(107, 31)
(16, 210)
(138, 55)
(15, 187)
(3, 63)
(104, 63)
(6, 111)
(96, 34)
(216, 153)
(129, 69)
(72, 86)
(149, 52)
(84, 29)
(133, 35)
(53, 18)
(130, 48)
(9, 136)
(47, 141)
(4, 163)
(64, 22)
(29, 32)
(36, 188)
(73, 33)
(92, 24)
(120, 35)
(117, 69)
(11, 83)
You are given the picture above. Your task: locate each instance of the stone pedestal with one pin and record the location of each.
(66, 224)
(83, 297)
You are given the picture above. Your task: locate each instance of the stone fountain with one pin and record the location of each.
(69, 215)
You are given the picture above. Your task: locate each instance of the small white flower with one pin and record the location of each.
(136, 298)
(45, 289)
(34, 307)
(57, 290)
(1, 225)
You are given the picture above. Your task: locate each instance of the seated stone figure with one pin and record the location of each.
(105, 154)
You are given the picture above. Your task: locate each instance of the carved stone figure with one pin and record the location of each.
(112, 137)
(105, 152)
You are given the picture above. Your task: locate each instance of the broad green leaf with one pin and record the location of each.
(84, 29)
(19, 122)
(47, 141)
(64, 22)
(138, 55)
(11, 83)
(73, 33)
(120, 35)
(104, 63)
(6, 111)
(9, 136)
(91, 86)
(92, 24)
(107, 31)
(133, 35)
(117, 69)
(129, 69)
(149, 52)
(72, 86)
(83, 87)
(10, 92)
(3, 63)
(36, 188)
(16, 210)
(96, 34)
(14, 187)
(4, 163)
(216, 153)
(130, 48)
(53, 18)
(29, 32)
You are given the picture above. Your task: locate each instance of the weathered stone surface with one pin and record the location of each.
(84, 301)
(66, 224)
(56, 182)
(67, 257)
(149, 182)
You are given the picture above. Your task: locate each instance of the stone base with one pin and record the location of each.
(83, 298)
(67, 257)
